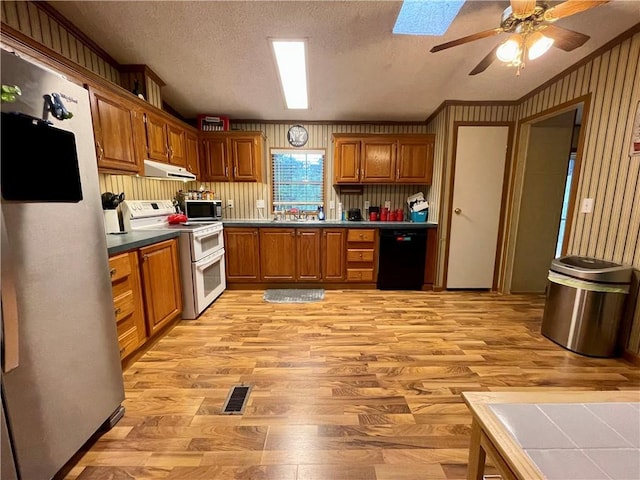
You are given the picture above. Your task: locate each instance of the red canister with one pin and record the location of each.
(384, 215)
(373, 216)
(393, 216)
(399, 215)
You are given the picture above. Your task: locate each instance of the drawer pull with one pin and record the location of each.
(112, 272)
(117, 311)
(122, 350)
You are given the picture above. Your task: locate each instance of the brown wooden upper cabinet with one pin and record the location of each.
(192, 153)
(166, 142)
(402, 158)
(117, 124)
(231, 156)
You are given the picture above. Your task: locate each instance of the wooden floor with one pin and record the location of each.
(363, 385)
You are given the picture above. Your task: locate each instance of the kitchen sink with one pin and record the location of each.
(297, 221)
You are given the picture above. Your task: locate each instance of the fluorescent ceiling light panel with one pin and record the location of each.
(290, 58)
(426, 17)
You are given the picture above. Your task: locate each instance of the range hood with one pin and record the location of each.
(165, 171)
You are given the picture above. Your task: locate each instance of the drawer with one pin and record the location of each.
(360, 274)
(361, 235)
(119, 267)
(360, 255)
(128, 342)
(123, 305)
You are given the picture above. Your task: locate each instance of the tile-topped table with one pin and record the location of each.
(556, 435)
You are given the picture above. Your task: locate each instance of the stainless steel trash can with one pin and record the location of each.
(585, 299)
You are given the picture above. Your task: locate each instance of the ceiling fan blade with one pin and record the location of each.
(522, 8)
(571, 7)
(467, 39)
(564, 38)
(485, 62)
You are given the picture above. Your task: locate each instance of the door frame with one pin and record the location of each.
(521, 149)
(503, 201)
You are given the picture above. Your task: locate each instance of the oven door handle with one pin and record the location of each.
(216, 258)
(199, 236)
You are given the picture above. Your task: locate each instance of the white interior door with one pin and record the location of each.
(477, 196)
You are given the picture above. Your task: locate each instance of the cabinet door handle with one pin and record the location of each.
(112, 272)
(293, 234)
(357, 173)
(226, 171)
(235, 171)
(398, 173)
(144, 258)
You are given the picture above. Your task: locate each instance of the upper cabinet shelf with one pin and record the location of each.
(383, 159)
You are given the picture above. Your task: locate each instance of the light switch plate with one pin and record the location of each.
(366, 204)
(332, 205)
(387, 203)
(230, 203)
(259, 203)
(587, 205)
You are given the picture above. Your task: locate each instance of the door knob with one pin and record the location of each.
(458, 211)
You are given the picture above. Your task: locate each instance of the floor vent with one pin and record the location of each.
(236, 400)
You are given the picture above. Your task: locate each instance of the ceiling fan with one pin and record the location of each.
(531, 24)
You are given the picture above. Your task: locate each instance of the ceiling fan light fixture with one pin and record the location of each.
(510, 50)
(537, 45)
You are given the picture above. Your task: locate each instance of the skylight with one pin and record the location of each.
(426, 17)
(290, 58)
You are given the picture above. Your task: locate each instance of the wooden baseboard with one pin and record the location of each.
(631, 357)
(326, 286)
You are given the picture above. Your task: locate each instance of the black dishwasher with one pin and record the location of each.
(401, 259)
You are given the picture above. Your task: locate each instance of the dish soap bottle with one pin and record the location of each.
(320, 212)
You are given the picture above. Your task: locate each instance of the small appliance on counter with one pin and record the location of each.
(354, 215)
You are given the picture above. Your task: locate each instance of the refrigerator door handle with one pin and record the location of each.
(10, 348)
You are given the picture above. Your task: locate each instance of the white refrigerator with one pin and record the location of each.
(61, 373)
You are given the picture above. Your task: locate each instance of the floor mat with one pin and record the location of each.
(294, 295)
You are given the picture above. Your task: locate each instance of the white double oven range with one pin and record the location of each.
(200, 246)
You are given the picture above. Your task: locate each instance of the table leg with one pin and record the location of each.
(477, 454)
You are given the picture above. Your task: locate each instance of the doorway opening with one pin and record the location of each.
(549, 171)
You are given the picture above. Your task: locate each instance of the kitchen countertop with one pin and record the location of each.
(556, 434)
(327, 224)
(118, 243)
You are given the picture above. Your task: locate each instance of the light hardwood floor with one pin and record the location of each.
(363, 385)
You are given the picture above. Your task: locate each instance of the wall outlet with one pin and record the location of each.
(259, 203)
(230, 203)
(332, 205)
(587, 205)
(366, 204)
(387, 203)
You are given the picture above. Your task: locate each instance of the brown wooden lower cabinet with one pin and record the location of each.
(327, 255)
(278, 254)
(333, 254)
(242, 254)
(308, 257)
(127, 302)
(362, 255)
(161, 281)
(147, 293)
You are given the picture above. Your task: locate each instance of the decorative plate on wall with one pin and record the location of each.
(297, 136)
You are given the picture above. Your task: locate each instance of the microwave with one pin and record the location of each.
(203, 210)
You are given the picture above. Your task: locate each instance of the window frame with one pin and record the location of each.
(275, 151)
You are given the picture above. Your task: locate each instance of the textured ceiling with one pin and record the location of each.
(216, 59)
